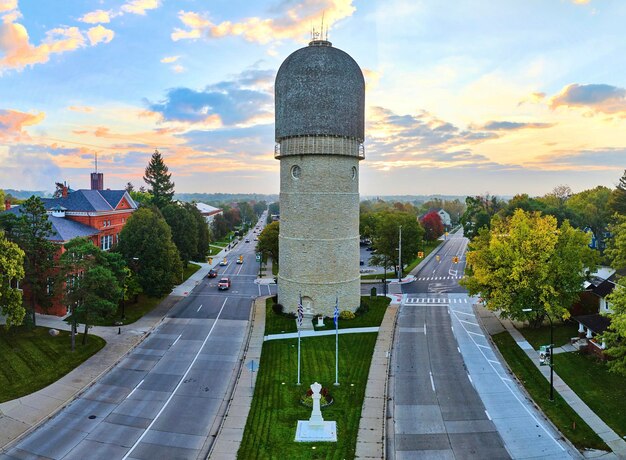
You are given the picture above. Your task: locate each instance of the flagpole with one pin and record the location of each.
(337, 341)
(298, 355)
(300, 314)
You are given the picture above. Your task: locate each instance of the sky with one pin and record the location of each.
(463, 97)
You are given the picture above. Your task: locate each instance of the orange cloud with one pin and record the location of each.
(100, 34)
(80, 108)
(169, 59)
(293, 24)
(140, 6)
(96, 17)
(13, 122)
(7, 5)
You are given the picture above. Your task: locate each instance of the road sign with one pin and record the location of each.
(544, 355)
(252, 367)
(258, 257)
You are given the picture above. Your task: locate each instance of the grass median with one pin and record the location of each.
(33, 359)
(276, 408)
(567, 421)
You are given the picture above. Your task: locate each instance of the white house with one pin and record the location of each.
(209, 212)
(445, 218)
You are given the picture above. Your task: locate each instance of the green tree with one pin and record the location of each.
(184, 230)
(385, 238)
(268, 241)
(146, 245)
(259, 207)
(159, 181)
(93, 282)
(141, 197)
(1, 199)
(617, 200)
(246, 212)
(202, 247)
(527, 261)
(272, 208)
(478, 213)
(616, 248)
(11, 272)
(615, 335)
(593, 209)
(31, 232)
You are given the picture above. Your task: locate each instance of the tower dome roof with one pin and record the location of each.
(319, 90)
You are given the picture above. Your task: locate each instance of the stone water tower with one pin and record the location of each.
(320, 101)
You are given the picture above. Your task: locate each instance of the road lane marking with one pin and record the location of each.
(468, 322)
(470, 378)
(458, 349)
(177, 338)
(487, 413)
(424, 328)
(138, 385)
(182, 379)
(199, 308)
(432, 382)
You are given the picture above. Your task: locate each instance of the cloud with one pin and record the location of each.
(597, 97)
(80, 108)
(512, 126)
(97, 17)
(13, 122)
(140, 6)
(293, 21)
(178, 68)
(586, 159)
(581, 2)
(233, 102)
(100, 34)
(169, 59)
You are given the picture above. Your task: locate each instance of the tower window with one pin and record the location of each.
(296, 172)
(354, 172)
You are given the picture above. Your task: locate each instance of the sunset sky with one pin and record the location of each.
(463, 96)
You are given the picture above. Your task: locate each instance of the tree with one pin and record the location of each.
(385, 238)
(159, 181)
(592, 207)
(268, 240)
(58, 190)
(259, 207)
(617, 200)
(93, 282)
(478, 213)
(184, 230)
(220, 227)
(141, 197)
(202, 248)
(615, 335)
(246, 212)
(433, 226)
(526, 261)
(129, 187)
(147, 247)
(31, 233)
(616, 249)
(11, 272)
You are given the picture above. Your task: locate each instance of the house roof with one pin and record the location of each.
(65, 229)
(597, 323)
(207, 209)
(90, 200)
(604, 288)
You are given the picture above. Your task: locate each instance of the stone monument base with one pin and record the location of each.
(307, 432)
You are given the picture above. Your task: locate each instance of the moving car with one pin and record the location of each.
(240, 260)
(224, 261)
(223, 284)
(212, 273)
(247, 240)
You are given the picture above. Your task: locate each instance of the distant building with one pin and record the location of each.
(209, 212)
(96, 214)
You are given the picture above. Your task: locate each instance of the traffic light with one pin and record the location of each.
(420, 254)
(438, 258)
(210, 260)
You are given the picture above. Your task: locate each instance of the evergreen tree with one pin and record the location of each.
(31, 233)
(202, 248)
(184, 230)
(617, 200)
(159, 181)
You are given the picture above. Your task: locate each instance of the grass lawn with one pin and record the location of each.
(541, 336)
(559, 412)
(190, 270)
(213, 249)
(276, 324)
(271, 425)
(603, 391)
(33, 359)
(429, 247)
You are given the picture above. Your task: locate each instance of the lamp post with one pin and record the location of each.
(400, 254)
(551, 349)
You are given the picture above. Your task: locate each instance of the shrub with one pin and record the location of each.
(364, 307)
(345, 314)
(277, 308)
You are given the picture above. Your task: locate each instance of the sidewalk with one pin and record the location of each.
(494, 324)
(20, 416)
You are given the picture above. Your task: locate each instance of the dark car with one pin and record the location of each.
(212, 273)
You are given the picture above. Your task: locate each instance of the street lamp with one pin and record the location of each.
(400, 254)
(526, 310)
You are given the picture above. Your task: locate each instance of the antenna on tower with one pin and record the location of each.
(322, 29)
(96, 161)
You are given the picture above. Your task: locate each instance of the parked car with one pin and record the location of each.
(223, 284)
(212, 273)
(224, 262)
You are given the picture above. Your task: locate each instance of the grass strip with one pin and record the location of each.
(33, 359)
(567, 421)
(563, 332)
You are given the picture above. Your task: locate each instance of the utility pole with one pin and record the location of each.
(400, 254)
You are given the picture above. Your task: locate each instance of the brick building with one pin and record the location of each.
(96, 214)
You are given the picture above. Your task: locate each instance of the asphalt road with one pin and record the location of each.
(166, 398)
(437, 413)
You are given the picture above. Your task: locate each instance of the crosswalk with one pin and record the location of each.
(433, 300)
(436, 278)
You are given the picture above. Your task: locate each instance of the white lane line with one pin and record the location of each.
(177, 339)
(473, 333)
(182, 379)
(483, 346)
(458, 349)
(464, 313)
(199, 308)
(432, 382)
(138, 385)
(503, 379)
(470, 378)
(487, 414)
(424, 328)
(469, 322)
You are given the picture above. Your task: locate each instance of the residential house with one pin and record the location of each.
(209, 212)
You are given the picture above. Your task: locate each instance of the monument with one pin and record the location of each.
(320, 101)
(315, 428)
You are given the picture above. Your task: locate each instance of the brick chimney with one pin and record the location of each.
(7, 205)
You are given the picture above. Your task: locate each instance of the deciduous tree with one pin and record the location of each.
(617, 200)
(527, 261)
(184, 230)
(159, 182)
(433, 226)
(386, 237)
(11, 272)
(268, 240)
(615, 335)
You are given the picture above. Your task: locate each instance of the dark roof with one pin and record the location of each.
(597, 323)
(65, 229)
(89, 200)
(604, 288)
(320, 90)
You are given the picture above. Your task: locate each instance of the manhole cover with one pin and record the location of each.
(91, 417)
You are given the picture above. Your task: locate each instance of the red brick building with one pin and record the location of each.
(96, 214)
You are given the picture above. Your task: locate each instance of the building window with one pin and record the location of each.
(296, 172)
(354, 172)
(106, 242)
